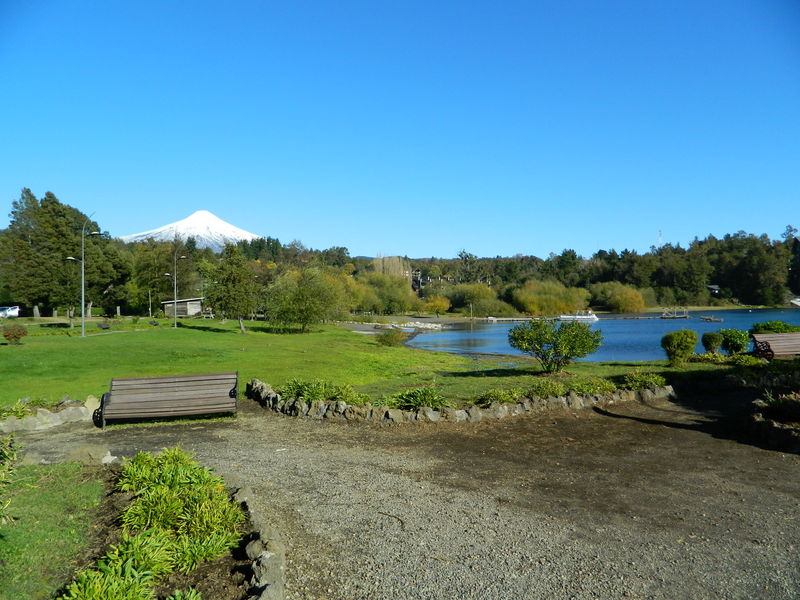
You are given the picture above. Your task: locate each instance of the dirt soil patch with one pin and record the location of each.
(665, 500)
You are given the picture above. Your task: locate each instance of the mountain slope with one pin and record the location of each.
(208, 230)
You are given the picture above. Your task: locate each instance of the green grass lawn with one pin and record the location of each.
(47, 368)
(50, 367)
(52, 508)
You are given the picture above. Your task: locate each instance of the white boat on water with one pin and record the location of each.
(581, 315)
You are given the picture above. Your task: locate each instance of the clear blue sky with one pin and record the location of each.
(417, 127)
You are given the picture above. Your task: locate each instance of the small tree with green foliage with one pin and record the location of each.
(233, 291)
(553, 344)
(712, 341)
(302, 296)
(734, 341)
(679, 345)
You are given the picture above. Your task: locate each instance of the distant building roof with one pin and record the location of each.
(182, 300)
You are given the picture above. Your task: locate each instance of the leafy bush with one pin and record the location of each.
(734, 341)
(322, 391)
(417, 398)
(555, 345)
(548, 298)
(19, 410)
(499, 395)
(679, 345)
(391, 337)
(746, 360)
(491, 307)
(715, 358)
(181, 516)
(712, 341)
(542, 387)
(14, 333)
(616, 297)
(595, 385)
(774, 327)
(641, 380)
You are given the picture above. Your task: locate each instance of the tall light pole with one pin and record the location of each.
(83, 273)
(175, 258)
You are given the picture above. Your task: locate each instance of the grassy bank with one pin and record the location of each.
(51, 507)
(50, 367)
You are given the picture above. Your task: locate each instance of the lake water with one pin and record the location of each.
(623, 339)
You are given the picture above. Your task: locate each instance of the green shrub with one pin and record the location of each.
(490, 307)
(19, 410)
(499, 395)
(746, 360)
(553, 344)
(118, 581)
(640, 380)
(679, 345)
(542, 387)
(712, 341)
(774, 327)
(391, 337)
(715, 358)
(181, 516)
(593, 386)
(322, 391)
(417, 398)
(14, 333)
(734, 341)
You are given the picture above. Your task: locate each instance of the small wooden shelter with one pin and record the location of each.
(186, 307)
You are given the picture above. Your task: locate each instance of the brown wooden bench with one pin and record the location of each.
(770, 345)
(170, 396)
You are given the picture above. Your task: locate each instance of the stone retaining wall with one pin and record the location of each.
(778, 436)
(41, 418)
(268, 398)
(268, 553)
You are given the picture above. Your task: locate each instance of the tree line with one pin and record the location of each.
(293, 284)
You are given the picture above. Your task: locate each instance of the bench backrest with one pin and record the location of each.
(778, 343)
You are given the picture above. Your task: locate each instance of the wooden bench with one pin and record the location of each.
(770, 345)
(170, 396)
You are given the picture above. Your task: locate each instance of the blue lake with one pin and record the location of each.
(623, 339)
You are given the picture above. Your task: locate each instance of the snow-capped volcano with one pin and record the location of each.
(208, 230)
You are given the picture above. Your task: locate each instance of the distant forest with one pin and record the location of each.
(739, 268)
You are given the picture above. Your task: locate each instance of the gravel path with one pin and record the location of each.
(640, 501)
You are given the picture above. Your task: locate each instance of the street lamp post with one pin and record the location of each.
(83, 273)
(175, 258)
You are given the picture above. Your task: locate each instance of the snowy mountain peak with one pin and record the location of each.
(208, 230)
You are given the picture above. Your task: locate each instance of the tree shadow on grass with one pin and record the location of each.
(497, 372)
(280, 329)
(209, 328)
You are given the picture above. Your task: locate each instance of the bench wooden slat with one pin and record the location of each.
(176, 392)
(159, 381)
(777, 344)
(169, 396)
(155, 401)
